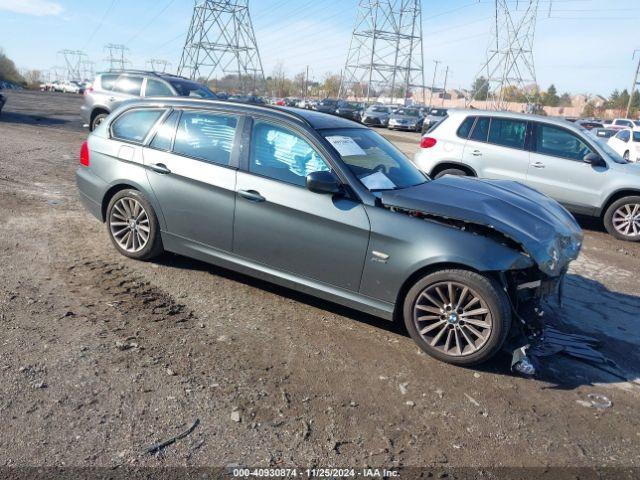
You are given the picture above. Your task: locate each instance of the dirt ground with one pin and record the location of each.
(102, 356)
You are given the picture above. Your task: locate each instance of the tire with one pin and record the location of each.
(626, 155)
(615, 215)
(447, 348)
(123, 207)
(452, 171)
(98, 119)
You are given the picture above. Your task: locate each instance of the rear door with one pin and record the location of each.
(496, 148)
(557, 168)
(125, 87)
(193, 176)
(281, 224)
(620, 142)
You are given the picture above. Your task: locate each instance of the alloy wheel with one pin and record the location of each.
(452, 318)
(626, 220)
(129, 224)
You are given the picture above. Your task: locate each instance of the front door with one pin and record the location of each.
(496, 148)
(192, 177)
(557, 169)
(281, 224)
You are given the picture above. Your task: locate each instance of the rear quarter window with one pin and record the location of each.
(108, 82)
(465, 127)
(134, 125)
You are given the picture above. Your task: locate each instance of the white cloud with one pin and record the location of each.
(38, 8)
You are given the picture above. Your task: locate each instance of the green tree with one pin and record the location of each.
(550, 97)
(480, 89)
(8, 71)
(565, 100)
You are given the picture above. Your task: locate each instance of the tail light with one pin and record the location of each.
(428, 142)
(88, 90)
(84, 154)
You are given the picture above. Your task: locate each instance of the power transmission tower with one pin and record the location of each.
(159, 65)
(116, 56)
(510, 64)
(385, 54)
(221, 42)
(73, 60)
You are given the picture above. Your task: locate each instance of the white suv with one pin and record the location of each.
(552, 156)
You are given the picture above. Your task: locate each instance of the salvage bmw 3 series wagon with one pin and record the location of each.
(326, 206)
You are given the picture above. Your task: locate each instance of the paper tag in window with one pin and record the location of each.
(377, 181)
(346, 146)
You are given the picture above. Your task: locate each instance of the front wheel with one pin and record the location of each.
(626, 156)
(133, 226)
(457, 316)
(622, 219)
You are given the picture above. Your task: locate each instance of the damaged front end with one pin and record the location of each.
(517, 217)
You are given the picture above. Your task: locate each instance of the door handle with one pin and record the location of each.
(251, 195)
(476, 153)
(538, 165)
(159, 168)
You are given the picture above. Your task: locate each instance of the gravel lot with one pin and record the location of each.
(103, 356)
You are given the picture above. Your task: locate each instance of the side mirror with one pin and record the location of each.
(594, 159)
(323, 182)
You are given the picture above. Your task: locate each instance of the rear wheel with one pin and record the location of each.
(133, 226)
(622, 219)
(451, 171)
(457, 316)
(97, 120)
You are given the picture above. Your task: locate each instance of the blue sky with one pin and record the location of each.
(586, 46)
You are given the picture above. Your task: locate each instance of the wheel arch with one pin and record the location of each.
(444, 165)
(97, 110)
(614, 197)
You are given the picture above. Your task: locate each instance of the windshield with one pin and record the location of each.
(379, 109)
(352, 105)
(328, 103)
(192, 89)
(437, 113)
(407, 112)
(375, 161)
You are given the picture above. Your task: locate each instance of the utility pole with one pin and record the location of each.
(433, 82)
(510, 60)
(444, 91)
(385, 48)
(221, 41)
(633, 87)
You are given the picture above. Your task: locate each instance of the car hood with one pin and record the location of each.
(544, 229)
(376, 114)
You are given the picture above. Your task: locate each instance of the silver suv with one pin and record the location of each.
(110, 89)
(552, 156)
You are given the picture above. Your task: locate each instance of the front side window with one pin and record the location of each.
(206, 135)
(134, 125)
(374, 160)
(156, 88)
(559, 142)
(128, 85)
(481, 129)
(507, 132)
(192, 89)
(624, 123)
(283, 155)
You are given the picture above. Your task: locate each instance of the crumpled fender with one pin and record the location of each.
(547, 232)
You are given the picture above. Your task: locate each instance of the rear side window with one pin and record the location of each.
(207, 136)
(624, 135)
(507, 132)
(465, 127)
(156, 88)
(164, 136)
(551, 140)
(134, 125)
(481, 129)
(128, 85)
(108, 82)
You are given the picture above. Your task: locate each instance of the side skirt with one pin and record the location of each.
(347, 298)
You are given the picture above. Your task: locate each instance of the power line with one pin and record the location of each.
(106, 13)
(158, 15)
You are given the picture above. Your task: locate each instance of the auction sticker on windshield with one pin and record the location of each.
(346, 146)
(378, 181)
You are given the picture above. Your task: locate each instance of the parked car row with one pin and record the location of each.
(578, 168)
(71, 86)
(3, 100)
